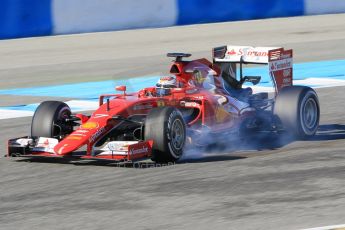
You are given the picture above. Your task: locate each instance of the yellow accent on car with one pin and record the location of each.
(90, 125)
(221, 114)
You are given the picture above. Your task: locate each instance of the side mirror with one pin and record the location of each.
(121, 88)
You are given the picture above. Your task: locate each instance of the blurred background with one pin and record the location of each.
(27, 18)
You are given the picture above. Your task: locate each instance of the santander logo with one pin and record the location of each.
(143, 149)
(248, 52)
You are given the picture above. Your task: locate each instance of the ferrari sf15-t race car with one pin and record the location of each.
(200, 100)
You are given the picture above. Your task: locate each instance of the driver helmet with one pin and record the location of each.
(165, 84)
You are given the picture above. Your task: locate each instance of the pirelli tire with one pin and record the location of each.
(166, 127)
(298, 109)
(49, 119)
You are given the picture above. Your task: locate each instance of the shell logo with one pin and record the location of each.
(90, 125)
(160, 103)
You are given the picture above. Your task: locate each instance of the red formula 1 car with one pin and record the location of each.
(202, 100)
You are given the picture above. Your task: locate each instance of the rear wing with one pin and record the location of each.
(279, 61)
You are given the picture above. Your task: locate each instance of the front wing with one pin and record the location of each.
(115, 150)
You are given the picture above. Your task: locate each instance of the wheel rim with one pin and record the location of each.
(64, 113)
(177, 135)
(58, 123)
(310, 113)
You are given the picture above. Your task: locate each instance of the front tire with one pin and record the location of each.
(48, 120)
(166, 127)
(298, 109)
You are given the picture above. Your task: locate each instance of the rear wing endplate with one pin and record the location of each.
(280, 67)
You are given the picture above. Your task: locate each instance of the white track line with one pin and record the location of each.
(6, 113)
(330, 227)
(75, 105)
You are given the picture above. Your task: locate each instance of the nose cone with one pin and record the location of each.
(73, 142)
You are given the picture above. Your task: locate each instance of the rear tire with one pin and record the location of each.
(48, 119)
(166, 127)
(297, 108)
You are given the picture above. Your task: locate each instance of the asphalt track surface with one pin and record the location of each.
(280, 184)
